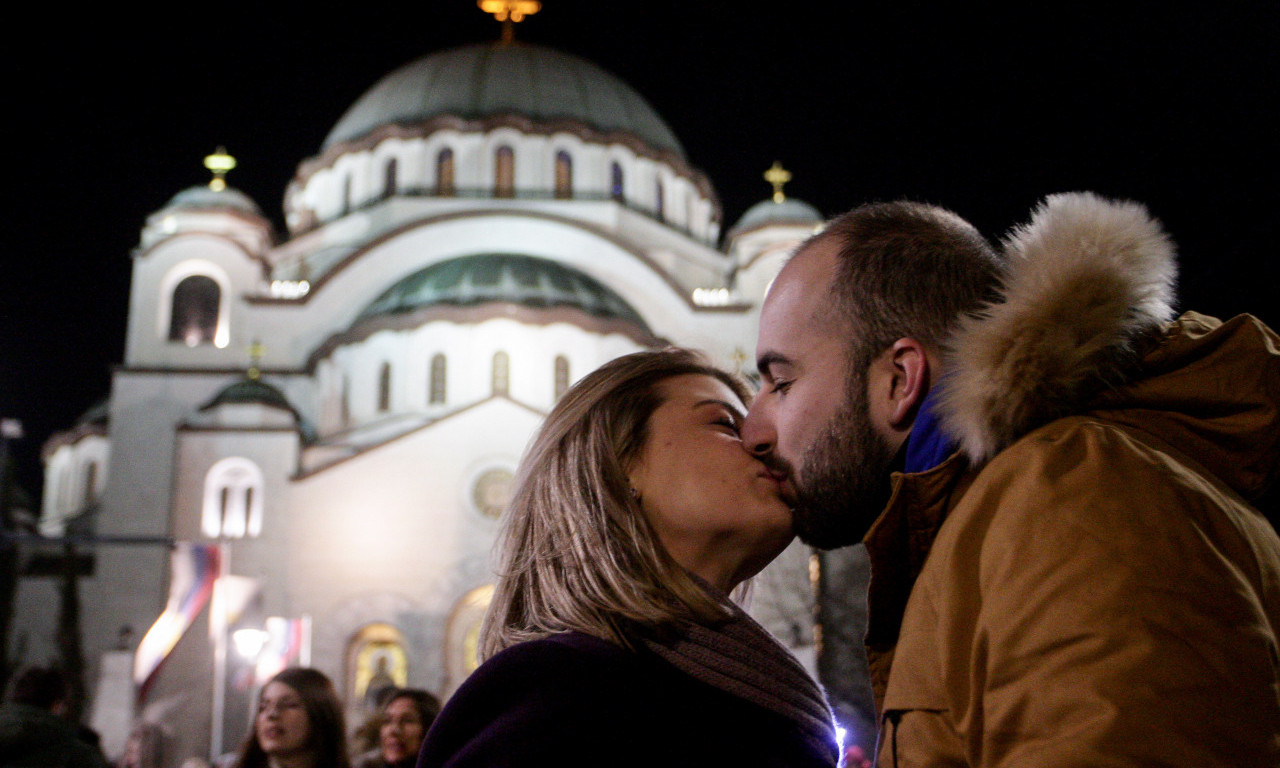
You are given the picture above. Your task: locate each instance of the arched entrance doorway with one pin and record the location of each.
(462, 637)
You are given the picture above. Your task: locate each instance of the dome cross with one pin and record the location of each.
(219, 163)
(256, 351)
(510, 13)
(778, 177)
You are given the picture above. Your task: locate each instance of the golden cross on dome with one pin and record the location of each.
(777, 176)
(510, 13)
(256, 351)
(219, 162)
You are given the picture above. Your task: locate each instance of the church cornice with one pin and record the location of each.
(159, 370)
(358, 252)
(192, 428)
(474, 315)
(356, 452)
(142, 252)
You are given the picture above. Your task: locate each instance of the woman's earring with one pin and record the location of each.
(635, 494)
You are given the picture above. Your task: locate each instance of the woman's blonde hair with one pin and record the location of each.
(577, 553)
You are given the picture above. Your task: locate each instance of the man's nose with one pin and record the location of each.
(758, 435)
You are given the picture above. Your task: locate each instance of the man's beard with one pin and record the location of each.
(842, 481)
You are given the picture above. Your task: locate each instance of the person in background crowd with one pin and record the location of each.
(611, 639)
(33, 730)
(365, 739)
(143, 747)
(402, 724)
(1054, 478)
(299, 724)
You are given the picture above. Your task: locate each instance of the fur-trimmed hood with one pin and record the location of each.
(1090, 282)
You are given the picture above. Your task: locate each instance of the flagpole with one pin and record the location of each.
(218, 625)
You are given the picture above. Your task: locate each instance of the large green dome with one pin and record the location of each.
(484, 81)
(502, 277)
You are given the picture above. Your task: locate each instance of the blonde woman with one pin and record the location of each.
(611, 639)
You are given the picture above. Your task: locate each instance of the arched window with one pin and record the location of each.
(344, 401)
(384, 388)
(561, 375)
(193, 316)
(436, 393)
(389, 187)
(444, 173)
(501, 373)
(504, 172)
(564, 175)
(657, 200)
(232, 499)
(615, 181)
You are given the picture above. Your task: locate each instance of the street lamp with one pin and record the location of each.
(249, 643)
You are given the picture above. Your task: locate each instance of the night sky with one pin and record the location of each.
(981, 109)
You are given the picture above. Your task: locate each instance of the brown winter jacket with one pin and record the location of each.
(1091, 589)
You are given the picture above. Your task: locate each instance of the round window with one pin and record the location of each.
(492, 491)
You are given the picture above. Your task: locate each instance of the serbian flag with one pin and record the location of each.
(193, 571)
(288, 645)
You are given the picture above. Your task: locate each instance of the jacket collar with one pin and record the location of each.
(927, 445)
(900, 539)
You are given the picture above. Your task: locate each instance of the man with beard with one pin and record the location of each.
(1053, 478)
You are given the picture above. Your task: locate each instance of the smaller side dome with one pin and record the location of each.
(789, 212)
(202, 198)
(251, 391)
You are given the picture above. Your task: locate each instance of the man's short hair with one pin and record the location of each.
(907, 269)
(39, 687)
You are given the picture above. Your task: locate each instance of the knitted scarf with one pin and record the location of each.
(740, 657)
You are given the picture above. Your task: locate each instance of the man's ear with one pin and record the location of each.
(909, 383)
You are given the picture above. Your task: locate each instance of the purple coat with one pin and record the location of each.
(575, 700)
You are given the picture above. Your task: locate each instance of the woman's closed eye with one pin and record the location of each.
(732, 423)
(720, 414)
